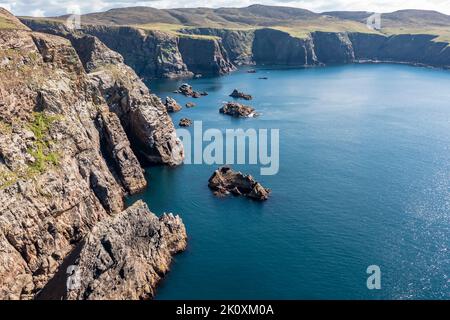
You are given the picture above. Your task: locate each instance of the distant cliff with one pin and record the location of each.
(324, 48)
(216, 51)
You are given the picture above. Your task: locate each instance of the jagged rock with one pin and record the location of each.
(238, 110)
(144, 117)
(190, 105)
(119, 149)
(172, 105)
(65, 158)
(124, 257)
(225, 181)
(240, 95)
(185, 122)
(186, 89)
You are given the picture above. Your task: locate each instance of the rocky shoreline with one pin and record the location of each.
(77, 127)
(217, 51)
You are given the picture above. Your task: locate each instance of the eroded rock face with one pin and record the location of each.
(124, 257)
(225, 181)
(54, 182)
(172, 105)
(65, 158)
(238, 110)
(142, 114)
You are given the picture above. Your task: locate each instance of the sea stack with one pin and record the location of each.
(240, 95)
(225, 181)
(238, 110)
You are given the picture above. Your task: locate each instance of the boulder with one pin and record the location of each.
(172, 105)
(238, 110)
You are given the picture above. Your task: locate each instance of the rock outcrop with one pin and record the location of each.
(186, 89)
(185, 122)
(238, 110)
(225, 181)
(240, 95)
(124, 257)
(66, 156)
(156, 54)
(172, 105)
(142, 114)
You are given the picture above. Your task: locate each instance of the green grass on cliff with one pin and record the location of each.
(40, 150)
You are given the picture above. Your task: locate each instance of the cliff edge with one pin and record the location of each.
(67, 157)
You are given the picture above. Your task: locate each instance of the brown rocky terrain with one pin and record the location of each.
(237, 110)
(225, 181)
(72, 116)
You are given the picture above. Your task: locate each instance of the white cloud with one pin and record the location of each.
(38, 13)
(58, 7)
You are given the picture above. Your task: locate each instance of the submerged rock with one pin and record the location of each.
(251, 71)
(240, 95)
(238, 110)
(225, 181)
(125, 256)
(185, 122)
(190, 105)
(172, 105)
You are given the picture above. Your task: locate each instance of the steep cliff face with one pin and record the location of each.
(151, 54)
(406, 48)
(155, 54)
(276, 47)
(143, 116)
(330, 47)
(322, 48)
(237, 43)
(204, 56)
(65, 159)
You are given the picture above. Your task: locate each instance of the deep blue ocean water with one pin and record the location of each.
(364, 179)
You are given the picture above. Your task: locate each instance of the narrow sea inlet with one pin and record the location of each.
(364, 179)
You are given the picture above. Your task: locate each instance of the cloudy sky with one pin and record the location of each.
(59, 7)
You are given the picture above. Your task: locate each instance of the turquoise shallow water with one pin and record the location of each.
(364, 179)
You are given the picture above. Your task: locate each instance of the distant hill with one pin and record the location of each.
(254, 15)
(401, 18)
(296, 21)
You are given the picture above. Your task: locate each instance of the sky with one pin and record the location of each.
(60, 7)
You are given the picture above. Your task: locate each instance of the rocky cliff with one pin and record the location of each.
(71, 116)
(322, 48)
(215, 51)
